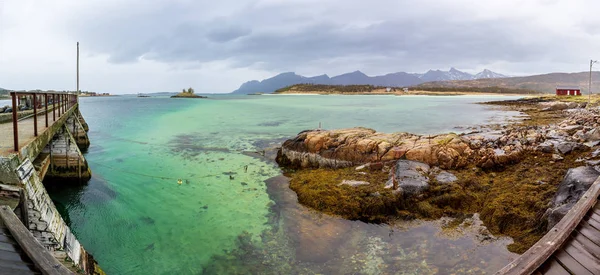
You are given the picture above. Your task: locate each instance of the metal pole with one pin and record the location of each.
(46, 103)
(14, 115)
(77, 71)
(53, 107)
(590, 85)
(35, 133)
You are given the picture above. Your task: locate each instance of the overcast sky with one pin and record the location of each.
(131, 46)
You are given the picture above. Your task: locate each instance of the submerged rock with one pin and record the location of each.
(576, 182)
(568, 147)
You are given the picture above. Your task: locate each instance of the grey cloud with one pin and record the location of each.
(227, 33)
(252, 36)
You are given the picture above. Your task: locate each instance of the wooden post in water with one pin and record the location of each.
(15, 109)
(67, 148)
(51, 160)
(79, 166)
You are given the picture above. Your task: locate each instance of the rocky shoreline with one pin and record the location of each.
(521, 178)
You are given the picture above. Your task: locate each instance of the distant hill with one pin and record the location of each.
(383, 90)
(545, 83)
(399, 79)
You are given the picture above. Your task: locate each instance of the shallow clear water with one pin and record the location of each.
(135, 218)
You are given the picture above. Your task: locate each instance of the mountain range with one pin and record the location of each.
(545, 83)
(400, 79)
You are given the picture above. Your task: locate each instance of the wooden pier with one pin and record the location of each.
(571, 247)
(22, 253)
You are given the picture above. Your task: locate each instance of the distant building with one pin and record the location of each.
(388, 89)
(405, 90)
(568, 90)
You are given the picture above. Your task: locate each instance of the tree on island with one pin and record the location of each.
(188, 93)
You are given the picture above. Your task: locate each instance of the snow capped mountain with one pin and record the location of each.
(454, 74)
(489, 74)
(400, 79)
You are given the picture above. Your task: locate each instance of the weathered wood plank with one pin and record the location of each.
(594, 223)
(535, 256)
(9, 247)
(6, 239)
(578, 252)
(42, 259)
(594, 216)
(588, 231)
(16, 265)
(11, 256)
(18, 272)
(552, 267)
(590, 246)
(571, 264)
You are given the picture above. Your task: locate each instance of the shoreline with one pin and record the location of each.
(501, 175)
(418, 93)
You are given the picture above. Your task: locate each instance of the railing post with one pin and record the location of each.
(46, 103)
(34, 114)
(15, 107)
(53, 107)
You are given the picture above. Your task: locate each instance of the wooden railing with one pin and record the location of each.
(61, 103)
(533, 258)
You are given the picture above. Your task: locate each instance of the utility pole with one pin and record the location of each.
(590, 85)
(77, 72)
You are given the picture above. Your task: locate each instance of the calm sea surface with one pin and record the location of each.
(135, 218)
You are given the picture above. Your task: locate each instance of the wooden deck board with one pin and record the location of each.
(595, 216)
(571, 264)
(552, 267)
(582, 256)
(595, 224)
(590, 232)
(587, 243)
(13, 260)
(32, 247)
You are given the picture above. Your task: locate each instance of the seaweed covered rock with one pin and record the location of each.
(576, 182)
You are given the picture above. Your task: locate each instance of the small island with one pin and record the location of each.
(189, 93)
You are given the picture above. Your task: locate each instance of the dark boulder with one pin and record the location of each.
(568, 147)
(576, 182)
(411, 177)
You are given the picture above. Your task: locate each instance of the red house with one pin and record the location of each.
(568, 90)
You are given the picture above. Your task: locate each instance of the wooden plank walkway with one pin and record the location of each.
(25, 133)
(571, 247)
(42, 259)
(13, 260)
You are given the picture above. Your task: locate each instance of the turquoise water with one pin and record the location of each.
(135, 218)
